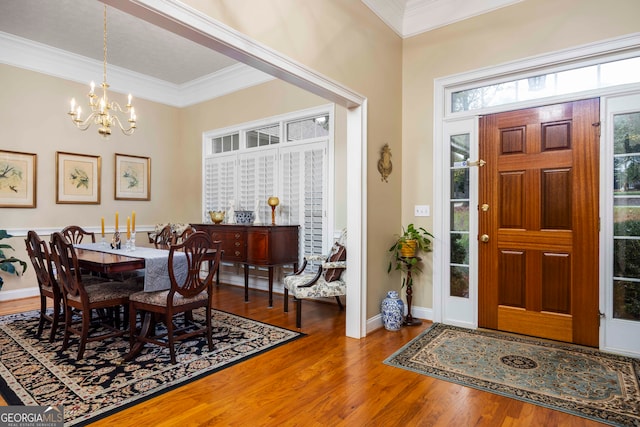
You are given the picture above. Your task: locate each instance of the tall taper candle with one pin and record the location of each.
(116, 221)
(102, 223)
(133, 221)
(128, 228)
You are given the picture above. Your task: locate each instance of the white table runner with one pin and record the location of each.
(156, 271)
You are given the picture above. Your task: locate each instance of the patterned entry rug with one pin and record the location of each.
(34, 372)
(574, 379)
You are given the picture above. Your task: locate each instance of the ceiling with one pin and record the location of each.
(64, 38)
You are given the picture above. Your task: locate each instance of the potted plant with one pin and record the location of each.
(407, 247)
(7, 263)
(404, 257)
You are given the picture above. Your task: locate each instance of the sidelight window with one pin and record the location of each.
(626, 216)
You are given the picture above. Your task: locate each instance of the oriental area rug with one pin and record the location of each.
(569, 378)
(34, 372)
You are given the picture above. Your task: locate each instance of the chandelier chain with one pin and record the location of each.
(104, 44)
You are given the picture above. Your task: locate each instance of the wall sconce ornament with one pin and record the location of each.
(384, 164)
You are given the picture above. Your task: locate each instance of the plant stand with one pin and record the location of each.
(409, 320)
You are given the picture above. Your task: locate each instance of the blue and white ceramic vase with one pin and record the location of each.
(392, 311)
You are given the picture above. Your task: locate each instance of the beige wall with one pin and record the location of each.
(346, 41)
(526, 29)
(33, 119)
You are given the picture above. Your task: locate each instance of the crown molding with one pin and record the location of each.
(30, 55)
(391, 12)
(412, 17)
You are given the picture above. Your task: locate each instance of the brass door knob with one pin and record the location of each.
(484, 238)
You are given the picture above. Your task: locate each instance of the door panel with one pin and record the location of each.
(538, 264)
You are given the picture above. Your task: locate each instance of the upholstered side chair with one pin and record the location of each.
(325, 282)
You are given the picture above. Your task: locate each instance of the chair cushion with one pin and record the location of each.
(109, 290)
(179, 228)
(321, 288)
(338, 253)
(159, 298)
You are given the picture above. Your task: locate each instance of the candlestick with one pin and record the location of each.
(133, 221)
(128, 228)
(273, 201)
(116, 221)
(102, 223)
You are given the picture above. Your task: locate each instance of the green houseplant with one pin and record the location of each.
(7, 263)
(405, 250)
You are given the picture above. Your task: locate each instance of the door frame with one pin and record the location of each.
(604, 51)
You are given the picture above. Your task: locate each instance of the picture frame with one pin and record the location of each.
(18, 186)
(78, 178)
(132, 177)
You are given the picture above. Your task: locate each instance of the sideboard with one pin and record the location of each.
(257, 245)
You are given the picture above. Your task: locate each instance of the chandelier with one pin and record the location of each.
(104, 113)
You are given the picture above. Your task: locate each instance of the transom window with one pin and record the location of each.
(574, 80)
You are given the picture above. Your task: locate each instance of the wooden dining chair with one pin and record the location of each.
(76, 234)
(49, 289)
(83, 300)
(164, 238)
(187, 294)
(181, 237)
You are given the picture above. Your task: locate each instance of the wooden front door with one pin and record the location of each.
(538, 222)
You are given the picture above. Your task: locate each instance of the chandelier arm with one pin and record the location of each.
(126, 131)
(86, 123)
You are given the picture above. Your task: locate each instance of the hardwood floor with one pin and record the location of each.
(323, 379)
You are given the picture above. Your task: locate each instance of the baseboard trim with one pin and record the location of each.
(19, 294)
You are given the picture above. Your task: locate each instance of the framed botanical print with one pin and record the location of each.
(17, 179)
(132, 177)
(77, 178)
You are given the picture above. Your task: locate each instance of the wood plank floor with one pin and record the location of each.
(323, 379)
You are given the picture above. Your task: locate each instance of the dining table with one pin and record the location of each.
(151, 262)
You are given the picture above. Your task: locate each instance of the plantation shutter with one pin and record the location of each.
(219, 182)
(303, 178)
(257, 172)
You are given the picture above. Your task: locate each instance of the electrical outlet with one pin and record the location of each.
(422, 210)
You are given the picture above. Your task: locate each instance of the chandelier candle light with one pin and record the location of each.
(104, 113)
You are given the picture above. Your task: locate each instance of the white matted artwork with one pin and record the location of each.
(17, 179)
(77, 178)
(132, 177)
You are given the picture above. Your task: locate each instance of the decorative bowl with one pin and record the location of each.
(244, 217)
(216, 216)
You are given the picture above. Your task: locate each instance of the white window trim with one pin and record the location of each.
(589, 54)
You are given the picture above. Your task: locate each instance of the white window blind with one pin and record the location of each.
(257, 171)
(304, 183)
(250, 162)
(219, 182)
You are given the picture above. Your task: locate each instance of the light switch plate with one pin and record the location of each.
(422, 210)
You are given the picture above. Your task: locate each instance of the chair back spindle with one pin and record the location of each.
(76, 234)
